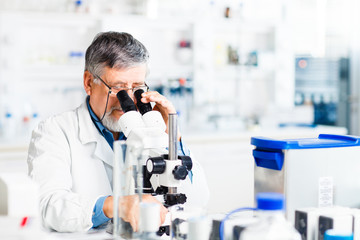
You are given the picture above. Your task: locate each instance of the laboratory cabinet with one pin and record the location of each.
(41, 67)
(242, 67)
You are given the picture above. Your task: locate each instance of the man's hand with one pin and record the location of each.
(129, 208)
(162, 105)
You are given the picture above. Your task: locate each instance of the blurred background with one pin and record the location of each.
(232, 68)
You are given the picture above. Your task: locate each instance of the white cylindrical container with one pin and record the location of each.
(199, 228)
(149, 217)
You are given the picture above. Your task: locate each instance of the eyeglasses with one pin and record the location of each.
(114, 90)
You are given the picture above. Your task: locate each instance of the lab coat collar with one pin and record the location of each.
(88, 133)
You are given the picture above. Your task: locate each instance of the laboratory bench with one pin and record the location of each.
(10, 229)
(225, 156)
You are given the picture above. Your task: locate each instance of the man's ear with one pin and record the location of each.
(88, 82)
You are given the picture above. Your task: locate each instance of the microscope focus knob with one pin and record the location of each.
(187, 162)
(180, 172)
(156, 165)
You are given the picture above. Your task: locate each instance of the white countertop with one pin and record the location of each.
(16, 145)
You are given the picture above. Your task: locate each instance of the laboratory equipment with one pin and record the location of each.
(164, 169)
(188, 222)
(325, 82)
(272, 224)
(167, 171)
(308, 170)
(313, 222)
(143, 164)
(307, 222)
(233, 226)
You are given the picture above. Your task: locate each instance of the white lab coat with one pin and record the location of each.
(72, 163)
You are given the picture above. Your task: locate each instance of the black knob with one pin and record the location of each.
(187, 162)
(155, 165)
(180, 172)
(173, 199)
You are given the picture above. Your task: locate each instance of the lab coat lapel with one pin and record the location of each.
(104, 151)
(88, 133)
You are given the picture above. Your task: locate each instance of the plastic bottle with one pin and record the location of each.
(272, 224)
(30, 124)
(9, 126)
(35, 120)
(26, 126)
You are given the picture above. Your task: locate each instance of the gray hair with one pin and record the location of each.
(118, 50)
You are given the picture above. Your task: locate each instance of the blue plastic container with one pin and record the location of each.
(307, 170)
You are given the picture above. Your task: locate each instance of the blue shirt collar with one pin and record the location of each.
(94, 118)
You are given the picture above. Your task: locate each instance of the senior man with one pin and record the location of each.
(71, 154)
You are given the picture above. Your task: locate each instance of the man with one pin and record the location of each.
(71, 154)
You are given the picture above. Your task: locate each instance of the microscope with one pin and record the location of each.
(164, 169)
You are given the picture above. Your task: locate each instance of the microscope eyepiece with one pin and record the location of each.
(126, 102)
(143, 107)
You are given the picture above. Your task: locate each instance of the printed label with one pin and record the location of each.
(325, 192)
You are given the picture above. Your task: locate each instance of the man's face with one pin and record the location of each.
(115, 78)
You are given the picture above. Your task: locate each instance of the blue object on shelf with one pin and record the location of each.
(78, 3)
(305, 125)
(76, 54)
